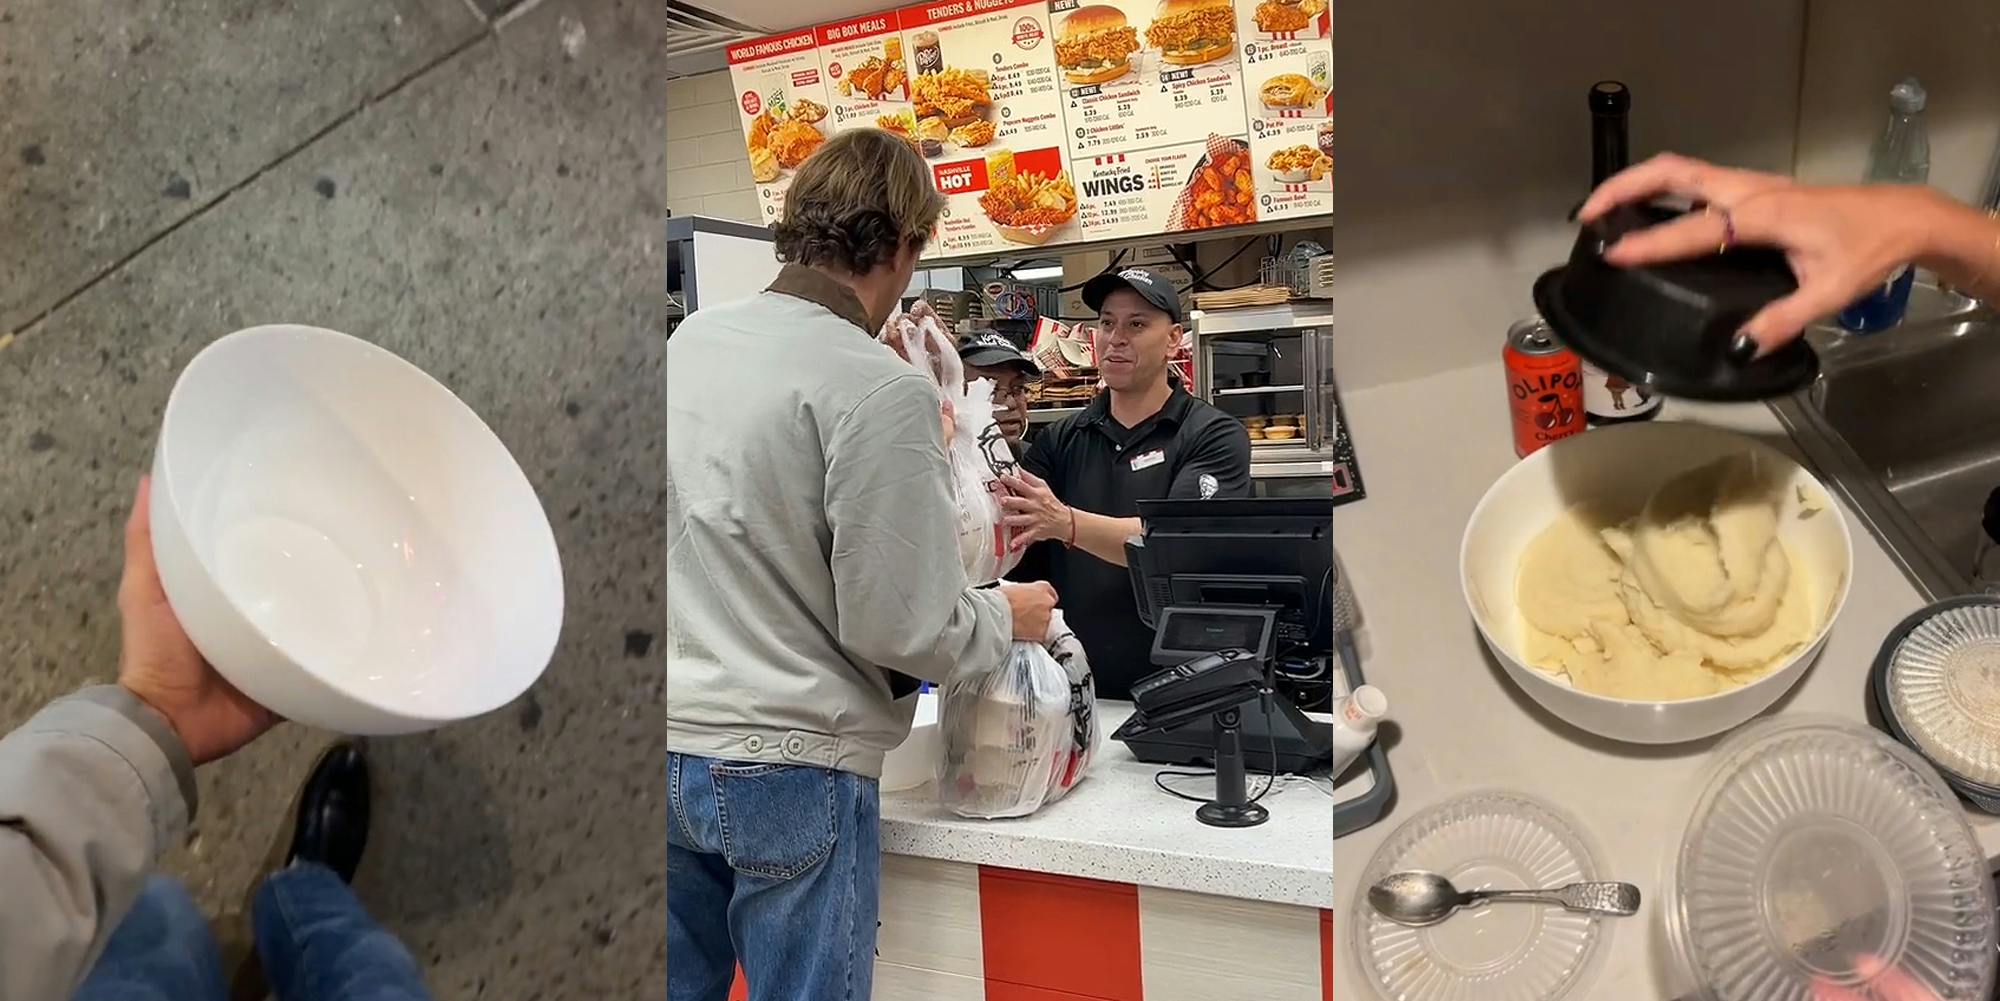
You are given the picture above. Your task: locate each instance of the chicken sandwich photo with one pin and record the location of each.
(1095, 45)
(1188, 32)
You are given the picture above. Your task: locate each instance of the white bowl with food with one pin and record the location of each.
(1656, 583)
(345, 540)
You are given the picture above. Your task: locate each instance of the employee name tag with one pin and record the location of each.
(1147, 460)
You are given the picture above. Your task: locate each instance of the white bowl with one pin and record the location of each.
(1620, 466)
(345, 540)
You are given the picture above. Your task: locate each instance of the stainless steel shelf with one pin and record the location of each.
(1264, 319)
(1260, 390)
(1276, 470)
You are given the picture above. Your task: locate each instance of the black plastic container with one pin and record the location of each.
(1669, 326)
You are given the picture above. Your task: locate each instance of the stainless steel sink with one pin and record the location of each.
(1906, 425)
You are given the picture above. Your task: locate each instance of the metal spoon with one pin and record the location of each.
(1417, 898)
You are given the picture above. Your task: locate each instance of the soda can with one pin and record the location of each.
(1544, 386)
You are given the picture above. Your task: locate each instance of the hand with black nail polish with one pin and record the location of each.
(1841, 242)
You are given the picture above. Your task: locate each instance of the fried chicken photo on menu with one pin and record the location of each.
(1290, 90)
(1095, 45)
(977, 132)
(933, 128)
(760, 131)
(902, 125)
(1279, 16)
(1028, 208)
(1222, 193)
(954, 95)
(807, 111)
(763, 165)
(875, 78)
(794, 140)
(1188, 32)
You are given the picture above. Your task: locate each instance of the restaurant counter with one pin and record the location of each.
(1114, 893)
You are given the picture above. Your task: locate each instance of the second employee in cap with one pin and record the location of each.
(989, 354)
(1144, 437)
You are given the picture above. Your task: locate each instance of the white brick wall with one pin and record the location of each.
(708, 172)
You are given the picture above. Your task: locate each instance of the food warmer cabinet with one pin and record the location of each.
(1271, 367)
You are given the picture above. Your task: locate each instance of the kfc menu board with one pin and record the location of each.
(1053, 121)
(1294, 166)
(781, 98)
(1288, 64)
(868, 78)
(1190, 186)
(1139, 74)
(989, 121)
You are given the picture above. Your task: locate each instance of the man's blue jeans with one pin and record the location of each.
(315, 940)
(777, 867)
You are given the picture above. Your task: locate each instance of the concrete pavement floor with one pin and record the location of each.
(485, 201)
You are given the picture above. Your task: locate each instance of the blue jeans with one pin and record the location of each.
(316, 943)
(777, 867)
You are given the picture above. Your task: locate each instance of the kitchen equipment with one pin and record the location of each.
(344, 539)
(1274, 362)
(1935, 685)
(1619, 467)
(1669, 326)
(1420, 899)
(1814, 842)
(1486, 840)
(714, 261)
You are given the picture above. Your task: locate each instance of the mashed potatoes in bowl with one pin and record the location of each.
(1656, 583)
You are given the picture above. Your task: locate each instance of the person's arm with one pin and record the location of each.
(1041, 520)
(92, 790)
(1103, 536)
(1221, 454)
(900, 593)
(1039, 517)
(96, 786)
(1841, 241)
(1962, 247)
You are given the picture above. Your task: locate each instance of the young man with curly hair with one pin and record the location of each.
(813, 576)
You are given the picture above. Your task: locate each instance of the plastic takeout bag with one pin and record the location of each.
(979, 455)
(1020, 734)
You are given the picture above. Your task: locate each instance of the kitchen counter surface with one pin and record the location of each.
(1118, 826)
(1429, 449)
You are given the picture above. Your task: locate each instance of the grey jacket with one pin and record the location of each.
(812, 548)
(92, 790)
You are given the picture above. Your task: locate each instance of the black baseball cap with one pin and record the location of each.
(987, 348)
(1151, 287)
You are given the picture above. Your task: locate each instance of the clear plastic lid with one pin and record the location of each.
(1821, 851)
(1944, 688)
(1507, 952)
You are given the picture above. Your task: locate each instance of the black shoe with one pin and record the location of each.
(332, 826)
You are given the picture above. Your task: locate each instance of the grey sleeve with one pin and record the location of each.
(92, 789)
(900, 591)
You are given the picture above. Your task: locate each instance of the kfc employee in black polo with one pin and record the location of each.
(1144, 437)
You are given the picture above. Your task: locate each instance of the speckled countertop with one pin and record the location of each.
(1119, 826)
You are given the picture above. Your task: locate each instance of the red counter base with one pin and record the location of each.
(1058, 938)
